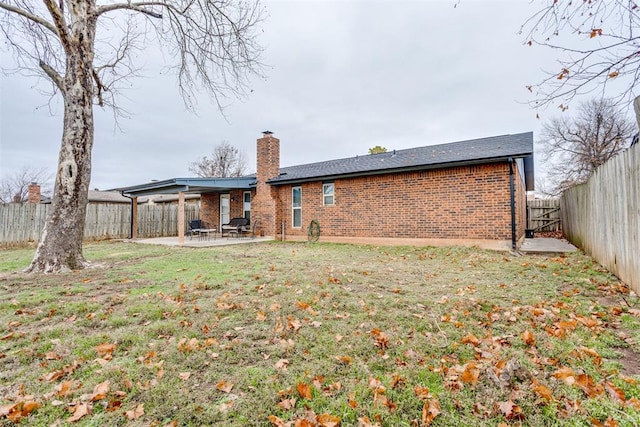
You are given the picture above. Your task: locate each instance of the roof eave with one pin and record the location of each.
(276, 182)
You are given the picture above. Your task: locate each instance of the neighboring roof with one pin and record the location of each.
(107, 197)
(97, 196)
(189, 185)
(166, 198)
(475, 151)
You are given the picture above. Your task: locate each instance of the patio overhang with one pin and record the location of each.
(189, 185)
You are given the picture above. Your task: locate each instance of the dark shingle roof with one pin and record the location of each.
(483, 150)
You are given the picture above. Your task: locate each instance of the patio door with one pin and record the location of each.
(225, 209)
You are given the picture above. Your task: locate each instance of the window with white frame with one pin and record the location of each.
(328, 194)
(246, 204)
(296, 206)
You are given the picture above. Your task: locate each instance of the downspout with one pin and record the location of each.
(130, 216)
(513, 205)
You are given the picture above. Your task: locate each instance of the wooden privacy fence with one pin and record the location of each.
(543, 215)
(23, 223)
(603, 216)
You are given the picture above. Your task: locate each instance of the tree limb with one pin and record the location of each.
(60, 23)
(30, 16)
(137, 7)
(53, 75)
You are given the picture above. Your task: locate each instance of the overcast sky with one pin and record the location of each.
(343, 76)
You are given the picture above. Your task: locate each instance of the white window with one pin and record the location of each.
(296, 206)
(246, 204)
(328, 194)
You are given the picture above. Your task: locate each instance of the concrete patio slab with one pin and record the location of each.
(200, 243)
(546, 246)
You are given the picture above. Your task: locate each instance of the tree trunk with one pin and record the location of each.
(60, 247)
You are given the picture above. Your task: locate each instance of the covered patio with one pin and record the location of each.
(227, 196)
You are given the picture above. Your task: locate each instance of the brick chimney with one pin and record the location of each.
(264, 204)
(33, 193)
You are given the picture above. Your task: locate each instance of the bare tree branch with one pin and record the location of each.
(599, 48)
(37, 19)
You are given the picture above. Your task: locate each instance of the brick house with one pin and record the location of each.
(468, 191)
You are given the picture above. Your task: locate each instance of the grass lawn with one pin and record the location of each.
(317, 335)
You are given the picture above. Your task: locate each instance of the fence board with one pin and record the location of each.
(544, 215)
(603, 216)
(23, 223)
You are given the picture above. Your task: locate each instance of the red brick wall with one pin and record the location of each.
(210, 206)
(467, 202)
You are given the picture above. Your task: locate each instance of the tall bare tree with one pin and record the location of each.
(14, 187)
(225, 161)
(574, 147)
(597, 42)
(86, 47)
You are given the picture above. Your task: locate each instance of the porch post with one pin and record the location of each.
(181, 218)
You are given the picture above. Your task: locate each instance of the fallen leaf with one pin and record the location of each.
(282, 364)
(328, 420)
(135, 413)
(276, 421)
(28, 407)
(100, 391)
(64, 388)
(421, 392)
(78, 412)
(105, 349)
(430, 410)
(528, 338)
(470, 339)
(287, 404)
(184, 375)
(224, 386)
(543, 391)
(304, 390)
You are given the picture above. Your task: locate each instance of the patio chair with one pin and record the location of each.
(234, 227)
(194, 227)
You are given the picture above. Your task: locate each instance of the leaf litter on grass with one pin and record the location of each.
(321, 335)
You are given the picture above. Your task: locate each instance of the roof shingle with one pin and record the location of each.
(474, 151)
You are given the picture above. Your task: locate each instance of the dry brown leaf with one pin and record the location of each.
(64, 388)
(615, 392)
(430, 410)
(304, 390)
(470, 339)
(184, 375)
(224, 386)
(29, 406)
(105, 349)
(565, 374)
(282, 364)
(345, 360)
(100, 391)
(328, 420)
(366, 422)
(78, 412)
(470, 374)
(543, 391)
(528, 338)
(276, 421)
(287, 404)
(421, 392)
(135, 413)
